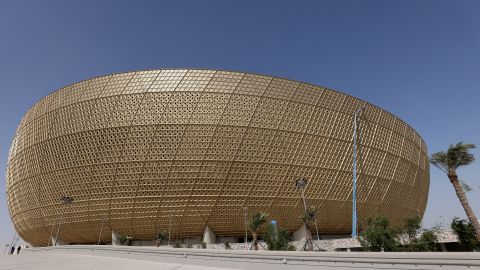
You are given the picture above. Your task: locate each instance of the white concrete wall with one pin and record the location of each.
(264, 260)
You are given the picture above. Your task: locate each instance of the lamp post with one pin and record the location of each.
(354, 192)
(302, 184)
(65, 200)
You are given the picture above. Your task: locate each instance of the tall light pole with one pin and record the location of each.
(302, 184)
(65, 200)
(354, 193)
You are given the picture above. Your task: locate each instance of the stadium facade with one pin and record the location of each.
(178, 150)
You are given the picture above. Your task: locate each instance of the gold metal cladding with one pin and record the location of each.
(194, 147)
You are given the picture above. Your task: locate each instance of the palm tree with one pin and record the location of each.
(255, 222)
(160, 237)
(308, 217)
(448, 162)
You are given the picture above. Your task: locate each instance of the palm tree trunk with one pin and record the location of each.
(255, 242)
(464, 201)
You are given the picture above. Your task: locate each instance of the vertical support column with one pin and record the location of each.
(58, 242)
(209, 236)
(302, 233)
(116, 239)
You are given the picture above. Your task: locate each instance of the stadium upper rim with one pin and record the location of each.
(224, 70)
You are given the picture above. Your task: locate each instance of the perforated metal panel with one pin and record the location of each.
(194, 147)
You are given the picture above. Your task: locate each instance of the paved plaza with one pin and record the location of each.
(71, 261)
(118, 258)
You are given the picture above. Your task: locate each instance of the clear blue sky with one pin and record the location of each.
(419, 60)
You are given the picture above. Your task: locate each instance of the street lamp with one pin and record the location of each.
(65, 200)
(354, 193)
(302, 184)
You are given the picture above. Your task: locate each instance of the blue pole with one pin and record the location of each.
(354, 193)
(275, 229)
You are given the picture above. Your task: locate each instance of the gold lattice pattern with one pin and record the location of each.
(194, 147)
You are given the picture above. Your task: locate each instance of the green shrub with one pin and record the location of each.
(428, 241)
(417, 239)
(124, 238)
(160, 237)
(379, 235)
(465, 234)
(281, 242)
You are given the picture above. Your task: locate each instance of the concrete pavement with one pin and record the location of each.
(71, 261)
(127, 257)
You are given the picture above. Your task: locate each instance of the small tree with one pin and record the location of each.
(465, 234)
(124, 239)
(412, 227)
(379, 235)
(160, 237)
(279, 242)
(429, 241)
(416, 239)
(256, 221)
(308, 217)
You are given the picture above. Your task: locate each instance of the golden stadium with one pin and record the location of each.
(181, 149)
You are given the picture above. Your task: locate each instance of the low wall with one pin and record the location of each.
(318, 245)
(292, 260)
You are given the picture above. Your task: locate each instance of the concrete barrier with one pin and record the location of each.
(281, 259)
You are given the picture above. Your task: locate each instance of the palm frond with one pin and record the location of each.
(310, 215)
(162, 235)
(439, 160)
(257, 220)
(457, 155)
(465, 186)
